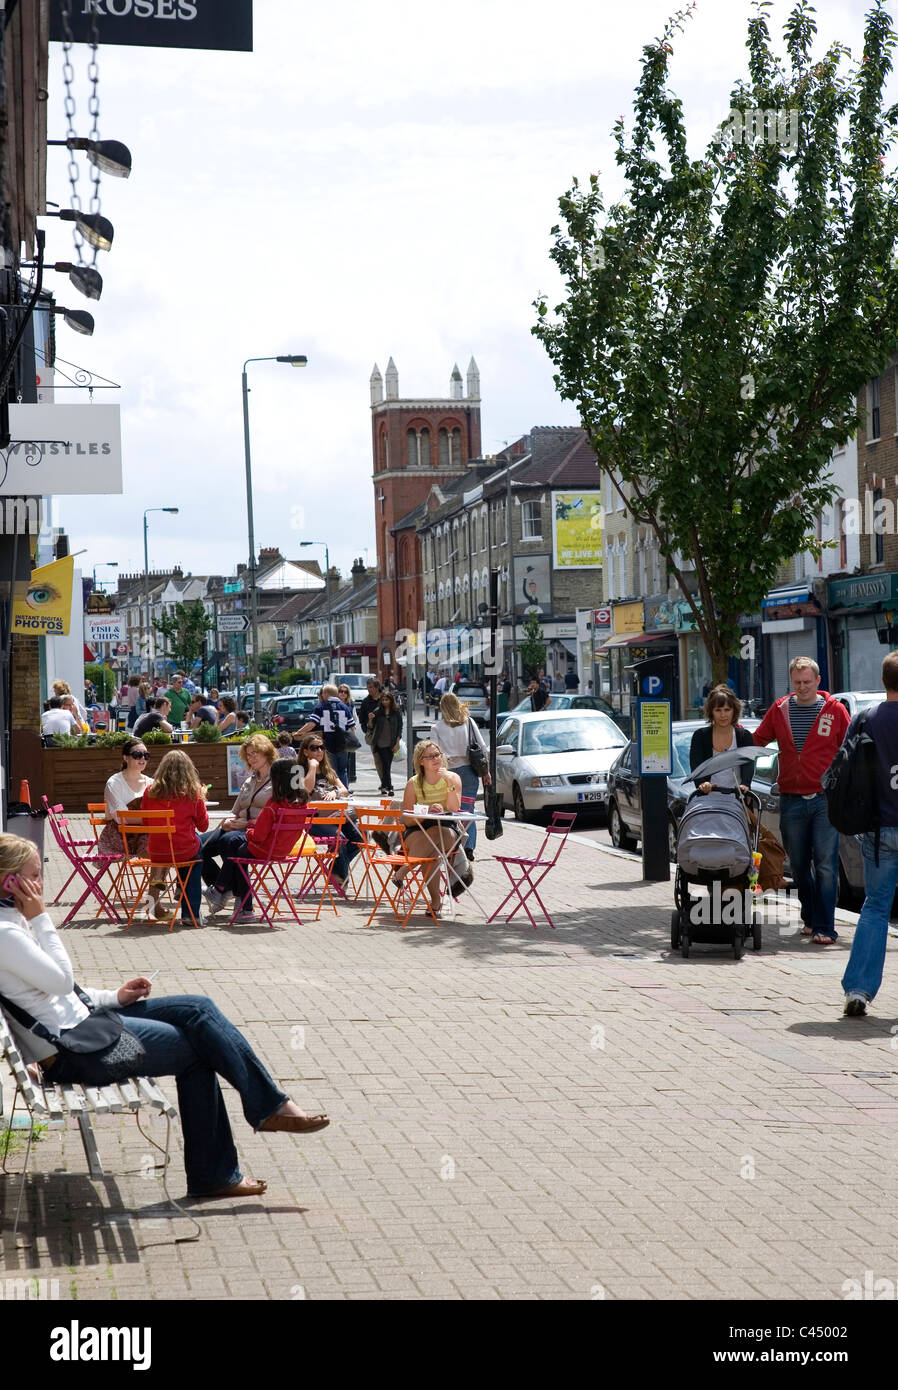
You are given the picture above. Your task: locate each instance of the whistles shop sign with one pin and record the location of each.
(226, 24)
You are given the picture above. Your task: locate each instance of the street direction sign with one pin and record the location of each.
(232, 622)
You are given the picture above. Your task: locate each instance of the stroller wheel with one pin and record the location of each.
(738, 944)
(674, 929)
(757, 939)
(684, 945)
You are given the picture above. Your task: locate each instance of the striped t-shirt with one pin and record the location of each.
(801, 719)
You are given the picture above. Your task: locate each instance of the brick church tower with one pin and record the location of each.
(416, 444)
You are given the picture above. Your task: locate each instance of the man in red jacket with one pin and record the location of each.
(809, 726)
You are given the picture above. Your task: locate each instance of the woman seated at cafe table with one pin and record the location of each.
(124, 791)
(435, 787)
(322, 784)
(258, 753)
(227, 715)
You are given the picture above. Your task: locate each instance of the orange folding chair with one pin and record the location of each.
(326, 831)
(159, 826)
(120, 871)
(402, 899)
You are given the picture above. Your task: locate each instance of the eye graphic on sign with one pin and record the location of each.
(39, 595)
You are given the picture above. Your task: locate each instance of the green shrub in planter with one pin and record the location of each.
(157, 736)
(113, 740)
(71, 740)
(207, 733)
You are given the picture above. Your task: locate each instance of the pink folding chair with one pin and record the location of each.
(269, 875)
(531, 872)
(88, 862)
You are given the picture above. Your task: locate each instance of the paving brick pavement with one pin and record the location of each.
(515, 1114)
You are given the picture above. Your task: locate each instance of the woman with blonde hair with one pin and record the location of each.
(453, 732)
(178, 789)
(258, 753)
(435, 787)
(184, 1035)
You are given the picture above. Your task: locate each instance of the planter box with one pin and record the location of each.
(74, 776)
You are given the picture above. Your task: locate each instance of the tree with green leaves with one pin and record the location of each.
(721, 318)
(533, 647)
(184, 632)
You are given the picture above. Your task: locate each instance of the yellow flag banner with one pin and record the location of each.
(43, 606)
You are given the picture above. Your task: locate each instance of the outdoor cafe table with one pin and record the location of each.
(451, 818)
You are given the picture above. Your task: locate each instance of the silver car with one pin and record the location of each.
(476, 697)
(555, 760)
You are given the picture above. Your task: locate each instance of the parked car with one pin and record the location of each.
(622, 721)
(476, 696)
(851, 864)
(356, 680)
(555, 760)
(289, 712)
(857, 700)
(624, 792)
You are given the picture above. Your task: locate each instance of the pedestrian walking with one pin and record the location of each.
(333, 720)
(809, 727)
(386, 731)
(863, 974)
(453, 732)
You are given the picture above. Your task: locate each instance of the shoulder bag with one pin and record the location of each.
(477, 758)
(100, 1048)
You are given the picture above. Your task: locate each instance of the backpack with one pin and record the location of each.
(849, 783)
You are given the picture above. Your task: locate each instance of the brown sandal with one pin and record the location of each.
(246, 1187)
(294, 1124)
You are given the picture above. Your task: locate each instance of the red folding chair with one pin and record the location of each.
(88, 863)
(327, 833)
(559, 829)
(294, 820)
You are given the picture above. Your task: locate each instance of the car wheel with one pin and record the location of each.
(520, 810)
(620, 836)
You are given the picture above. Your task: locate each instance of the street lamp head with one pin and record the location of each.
(96, 230)
(111, 156)
(78, 319)
(295, 360)
(173, 510)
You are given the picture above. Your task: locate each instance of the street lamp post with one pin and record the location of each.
(327, 599)
(146, 575)
(293, 360)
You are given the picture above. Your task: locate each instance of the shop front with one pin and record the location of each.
(860, 610)
(630, 641)
(792, 624)
(360, 659)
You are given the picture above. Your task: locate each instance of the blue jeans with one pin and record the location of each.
(193, 893)
(349, 847)
(340, 763)
(863, 973)
(812, 845)
(186, 1036)
(232, 845)
(470, 786)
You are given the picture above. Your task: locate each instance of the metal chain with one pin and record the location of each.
(68, 77)
(93, 106)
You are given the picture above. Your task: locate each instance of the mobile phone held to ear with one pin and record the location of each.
(10, 883)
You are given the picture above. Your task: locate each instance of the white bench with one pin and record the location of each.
(57, 1104)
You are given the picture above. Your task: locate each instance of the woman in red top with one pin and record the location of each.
(256, 843)
(177, 788)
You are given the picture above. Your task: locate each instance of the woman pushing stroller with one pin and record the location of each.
(722, 733)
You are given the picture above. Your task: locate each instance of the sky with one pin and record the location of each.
(372, 181)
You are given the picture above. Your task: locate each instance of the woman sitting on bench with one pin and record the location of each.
(183, 1035)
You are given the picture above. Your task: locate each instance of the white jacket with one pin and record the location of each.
(36, 974)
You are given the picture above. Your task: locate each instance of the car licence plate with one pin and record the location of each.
(591, 796)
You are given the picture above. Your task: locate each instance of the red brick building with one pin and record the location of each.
(415, 444)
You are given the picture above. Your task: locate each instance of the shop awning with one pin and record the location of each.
(636, 639)
(796, 593)
(88, 654)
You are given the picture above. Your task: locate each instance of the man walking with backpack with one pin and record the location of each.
(863, 974)
(809, 726)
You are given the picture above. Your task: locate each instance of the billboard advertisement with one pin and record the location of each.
(43, 606)
(577, 530)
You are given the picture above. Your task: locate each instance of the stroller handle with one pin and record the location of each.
(749, 797)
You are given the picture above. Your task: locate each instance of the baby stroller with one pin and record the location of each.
(715, 845)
